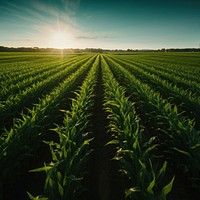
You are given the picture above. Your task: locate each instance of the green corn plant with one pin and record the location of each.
(136, 158)
(65, 173)
(17, 143)
(179, 78)
(187, 101)
(179, 138)
(12, 86)
(31, 94)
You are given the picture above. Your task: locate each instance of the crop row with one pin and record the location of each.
(21, 81)
(166, 68)
(180, 79)
(15, 103)
(135, 157)
(20, 141)
(65, 172)
(9, 72)
(187, 102)
(179, 139)
(183, 63)
(149, 132)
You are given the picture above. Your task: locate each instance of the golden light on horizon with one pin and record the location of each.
(59, 40)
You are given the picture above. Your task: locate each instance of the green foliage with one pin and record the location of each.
(18, 143)
(165, 90)
(163, 83)
(136, 158)
(65, 173)
(178, 135)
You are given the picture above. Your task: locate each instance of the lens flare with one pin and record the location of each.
(59, 40)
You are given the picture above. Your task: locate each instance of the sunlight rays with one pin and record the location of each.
(60, 40)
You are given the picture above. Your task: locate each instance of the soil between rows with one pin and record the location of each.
(103, 180)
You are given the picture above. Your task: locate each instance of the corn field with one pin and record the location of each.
(100, 126)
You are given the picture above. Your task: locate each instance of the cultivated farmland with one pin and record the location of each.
(107, 126)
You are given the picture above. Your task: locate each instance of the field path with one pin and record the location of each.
(103, 177)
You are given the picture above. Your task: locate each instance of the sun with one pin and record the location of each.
(59, 40)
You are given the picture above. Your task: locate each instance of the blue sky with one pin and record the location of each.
(109, 24)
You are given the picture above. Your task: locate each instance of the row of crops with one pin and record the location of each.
(152, 109)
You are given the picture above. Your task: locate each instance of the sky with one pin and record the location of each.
(107, 24)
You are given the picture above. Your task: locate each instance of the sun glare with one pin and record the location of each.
(59, 40)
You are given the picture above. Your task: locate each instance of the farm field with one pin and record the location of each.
(100, 126)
